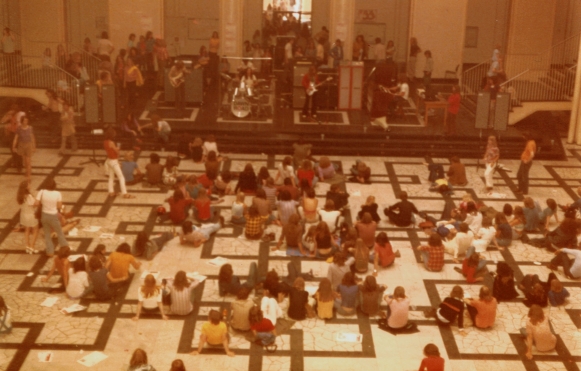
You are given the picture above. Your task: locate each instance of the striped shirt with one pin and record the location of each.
(181, 301)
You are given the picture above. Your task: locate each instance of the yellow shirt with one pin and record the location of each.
(529, 151)
(214, 333)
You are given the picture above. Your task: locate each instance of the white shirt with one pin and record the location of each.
(474, 221)
(150, 302)
(330, 217)
(320, 52)
(163, 126)
(288, 51)
(429, 67)
(49, 200)
(78, 282)
(210, 146)
(486, 235)
(379, 52)
(287, 172)
(104, 47)
(405, 89)
(464, 240)
(270, 309)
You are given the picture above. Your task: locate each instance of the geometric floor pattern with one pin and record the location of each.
(308, 345)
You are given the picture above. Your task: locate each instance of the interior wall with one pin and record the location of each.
(10, 15)
(192, 21)
(321, 15)
(135, 16)
(41, 21)
(252, 18)
(86, 18)
(443, 35)
(391, 23)
(491, 18)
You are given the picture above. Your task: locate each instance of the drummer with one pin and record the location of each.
(244, 65)
(248, 80)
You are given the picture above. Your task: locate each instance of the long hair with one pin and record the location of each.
(138, 358)
(255, 315)
(177, 365)
(399, 293)
(181, 281)
(348, 279)
(325, 290)
(149, 288)
(361, 251)
(381, 239)
(323, 230)
(22, 192)
(536, 314)
(226, 273)
(370, 284)
(79, 265)
(140, 243)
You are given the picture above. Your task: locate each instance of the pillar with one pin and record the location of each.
(231, 27)
(342, 23)
(575, 122)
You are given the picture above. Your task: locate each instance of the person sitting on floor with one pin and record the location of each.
(215, 333)
(433, 361)
(325, 243)
(369, 207)
(339, 197)
(433, 254)
(262, 328)
(406, 209)
(247, 180)
(254, 224)
(450, 309)
(503, 286)
(503, 237)
(472, 266)
(534, 290)
(181, 291)
(361, 173)
(309, 207)
(100, 278)
(370, 296)
(382, 254)
(482, 310)
(325, 170)
(306, 172)
(204, 211)
(130, 170)
(538, 332)
(149, 297)
(239, 310)
(292, 232)
(325, 297)
(229, 283)
(557, 293)
(571, 267)
(456, 173)
(78, 285)
(458, 243)
(153, 171)
(179, 207)
(348, 291)
(330, 215)
(397, 308)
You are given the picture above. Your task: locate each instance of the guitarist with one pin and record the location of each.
(310, 80)
(176, 78)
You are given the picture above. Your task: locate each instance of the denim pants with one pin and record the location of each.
(481, 263)
(50, 222)
(208, 229)
(523, 176)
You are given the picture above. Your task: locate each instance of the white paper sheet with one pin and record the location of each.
(49, 302)
(74, 232)
(311, 290)
(348, 337)
(73, 308)
(45, 357)
(92, 228)
(196, 276)
(106, 235)
(92, 359)
(218, 261)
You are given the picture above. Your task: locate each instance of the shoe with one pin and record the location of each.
(397, 254)
(458, 269)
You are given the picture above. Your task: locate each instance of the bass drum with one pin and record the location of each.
(240, 107)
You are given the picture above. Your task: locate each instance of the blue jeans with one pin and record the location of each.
(481, 262)
(239, 221)
(342, 311)
(209, 229)
(50, 222)
(266, 338)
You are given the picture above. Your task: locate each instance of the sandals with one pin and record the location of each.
(30, 250)
(127, 195)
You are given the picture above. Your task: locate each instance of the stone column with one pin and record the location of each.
(575, 122)
(231, 27)
(342, 23)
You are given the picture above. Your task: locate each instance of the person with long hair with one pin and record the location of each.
(68, 131)
(148, 248)
(361, 255)
(382, 254)
(292, 232)
(472, 267)
(262, 327)
(203, 210)
(331, 215)
(177, 365)
(5, 317)
(181, 291)
(450, 309)
(285, 170)
(300, 304)
(482, 310)
(229, 283)
(51, 202)
(247, 180)
(119, 261)
(348, 292)
(61, 264)
(25, 144)
(178, 208)
(286, 207)
(149, 297)
(366, 228)
(326, 169)
(139, 361)
(369, 207)
(503, 286)
(370, 295)
(411, 64)
(270, 304)
(503, 236)
(433, 253)
(78, 285)
(325, 244)
(398, 306)
(196, 236)
(112, 164)
(538, 332)
(534, 290)
(306, 172)
(325, 297)
(254, 227)
(28, 219)
(433, 361)
(239, 208)
(99, 277)
(132, 78)
(491, 156)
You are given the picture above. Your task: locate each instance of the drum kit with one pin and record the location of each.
(245, 99)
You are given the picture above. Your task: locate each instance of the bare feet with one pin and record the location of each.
(230, 353)
(127, 195)
(194, 353)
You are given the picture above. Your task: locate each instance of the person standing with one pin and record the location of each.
(491, 157)
(68, 128)
(428, 68)
(105, 47)
(9, 51)
(379, 51)
(214, 62)
(337, 53)
(526, 162)
(310, 80)
(24, 144)
(320, 55)
(414, 50)
(51, 202)
(112, 164)
(132, 78)
(453, 108)
(177, 79)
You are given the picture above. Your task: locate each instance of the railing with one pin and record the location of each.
(34, 72)
(473, 77)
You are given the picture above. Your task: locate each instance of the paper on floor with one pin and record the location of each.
(218, 261)
(92, 359)
(45, 357)
(348, 337)
(92, 228)
(49, 302)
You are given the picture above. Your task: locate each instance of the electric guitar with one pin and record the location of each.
(312, 89)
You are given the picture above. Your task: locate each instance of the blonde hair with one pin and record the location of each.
(399, 293)
(324, 162)
(370, 200)
(149, 287)
(240, 197)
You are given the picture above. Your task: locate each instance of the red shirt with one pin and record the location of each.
(385, 254)
(432, 364)
(204, 211)
(306, 82)
(468, 271)
(306, 174)
(263, 326)
(205, 181)
(111, 153)
(454, 103)
(177, 210)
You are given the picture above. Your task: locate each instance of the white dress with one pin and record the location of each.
(27, 218)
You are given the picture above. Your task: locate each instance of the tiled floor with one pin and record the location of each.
(308, 345)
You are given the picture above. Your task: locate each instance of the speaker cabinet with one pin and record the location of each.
(298, 97)
(501, 111)
(91, 104)
(109, 104)
(482, 110)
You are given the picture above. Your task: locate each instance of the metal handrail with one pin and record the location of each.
(513, 78)
(478, 65)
